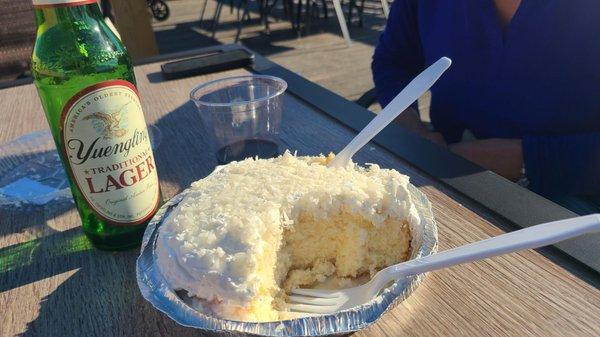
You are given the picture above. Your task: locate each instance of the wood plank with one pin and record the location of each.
(134, 25)
(53, 283)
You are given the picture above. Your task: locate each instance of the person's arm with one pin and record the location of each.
(411, 121)
(563, 164)
(398, 55)
(398, 58)
(502, 156)
(554, 165)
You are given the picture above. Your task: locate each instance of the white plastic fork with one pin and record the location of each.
(417, 87)
(319, 301)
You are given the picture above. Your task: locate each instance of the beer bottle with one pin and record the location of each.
(86, 84)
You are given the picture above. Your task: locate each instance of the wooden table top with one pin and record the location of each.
(53, 283)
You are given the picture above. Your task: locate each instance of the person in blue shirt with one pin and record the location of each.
(525, 81)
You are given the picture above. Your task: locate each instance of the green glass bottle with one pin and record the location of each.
(86, 84)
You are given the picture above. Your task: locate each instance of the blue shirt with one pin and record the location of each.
(536, 78)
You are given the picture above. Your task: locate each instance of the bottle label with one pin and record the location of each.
(61, 3)
(105, 141)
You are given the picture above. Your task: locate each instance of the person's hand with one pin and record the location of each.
(411, 121)
(503, 156)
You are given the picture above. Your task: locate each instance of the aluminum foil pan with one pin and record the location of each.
(154, 288)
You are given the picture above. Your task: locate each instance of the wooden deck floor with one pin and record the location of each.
(321, 56)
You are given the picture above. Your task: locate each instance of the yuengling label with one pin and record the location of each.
(106, 142)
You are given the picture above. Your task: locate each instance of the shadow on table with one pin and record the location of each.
(182, 36)
(100, 299)
(185, 154)
(41, 258)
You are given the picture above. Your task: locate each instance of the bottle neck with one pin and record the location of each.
(49, 13)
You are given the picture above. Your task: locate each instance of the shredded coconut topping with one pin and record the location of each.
(216, 242)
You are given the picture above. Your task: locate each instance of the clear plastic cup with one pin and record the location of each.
(241, 115)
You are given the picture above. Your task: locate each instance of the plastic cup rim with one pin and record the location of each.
(283, 83)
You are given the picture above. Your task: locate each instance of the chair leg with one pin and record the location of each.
(351, 5)
(325, 9)
(216, 19)
(299, 18)
(290, 6)
(271, 7)
(245, 16)
(309, 14)
(261, 10)
(202, 13)
(231, 6)
(342, 21)
(367, 99)
(249, 16)
(361, 12)
(386, 8)
(265, 15)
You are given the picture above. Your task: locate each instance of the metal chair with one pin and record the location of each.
(337, 5)
(367, 99)
(243, 6)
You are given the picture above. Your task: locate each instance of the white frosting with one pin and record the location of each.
(210, 242)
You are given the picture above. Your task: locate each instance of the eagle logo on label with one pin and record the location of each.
(111, 124)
